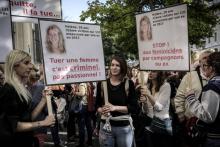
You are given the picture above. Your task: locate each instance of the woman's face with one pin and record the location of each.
(24, 68)
(207, 70)
(134, 72)
(152, 75)
(53, 37)
(203, 61)
(144, 28)
(115, 68)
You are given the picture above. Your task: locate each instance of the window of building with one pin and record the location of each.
(37, 49)
(22, 31)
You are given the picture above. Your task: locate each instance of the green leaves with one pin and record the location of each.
(117, 20)
(202, 21)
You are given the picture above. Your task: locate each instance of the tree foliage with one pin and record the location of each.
(117, 20)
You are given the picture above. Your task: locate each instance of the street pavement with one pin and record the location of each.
(63, 136)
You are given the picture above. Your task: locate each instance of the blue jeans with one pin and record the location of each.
(121, 136)
(84, 120)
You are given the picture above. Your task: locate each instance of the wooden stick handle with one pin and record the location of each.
(142, 78)
(49, 105)
(142, 84)
(105, 92)
(48, 97)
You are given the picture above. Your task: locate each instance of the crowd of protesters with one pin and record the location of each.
(143, 108)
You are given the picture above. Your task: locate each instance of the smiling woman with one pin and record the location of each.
(120, 105)
(55, 40)
(145, 31)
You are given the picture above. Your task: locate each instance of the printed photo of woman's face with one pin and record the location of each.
(145, 29)
(53, 37)
(55, 40)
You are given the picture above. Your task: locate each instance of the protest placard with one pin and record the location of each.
(6, 44)
(38, 8)
(73, 52)
(163, 39)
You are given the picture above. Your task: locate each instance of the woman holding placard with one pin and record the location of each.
(116, 125)
(16, 123)
(158, 94)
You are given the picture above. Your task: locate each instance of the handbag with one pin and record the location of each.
(140, 122)
(196, 130)
(75, 105)
(160, 126)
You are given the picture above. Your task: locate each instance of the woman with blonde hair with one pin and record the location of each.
(55, 40)
(16, 116)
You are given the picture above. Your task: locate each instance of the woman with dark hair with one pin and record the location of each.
(158, 94)
(134, 73)
(117, 127)
(207, 108)
(156, 98)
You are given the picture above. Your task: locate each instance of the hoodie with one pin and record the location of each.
(213, 84)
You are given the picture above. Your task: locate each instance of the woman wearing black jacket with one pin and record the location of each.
(16, 116)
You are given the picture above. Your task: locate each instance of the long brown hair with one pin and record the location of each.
(123, 65)
(160, 81)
